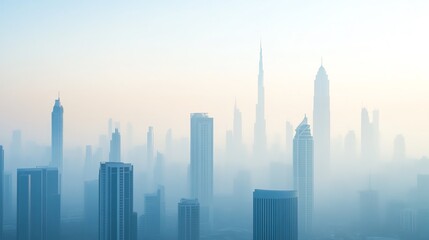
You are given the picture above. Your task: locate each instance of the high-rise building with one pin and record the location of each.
(158, 169)
(260, 137)
(2, 177)
(350, 146)
(115, 147)
(321, 120)
(169, 144)
(369, 135)
(116, 219)
(153, 219)
(57, 135)
(189, 219)
(91, 209)
(303, 170)
(399, 148)
(237, 128)
(38, 204)
(275, 215)
(202, 158)
(369, 211)
(150, 146)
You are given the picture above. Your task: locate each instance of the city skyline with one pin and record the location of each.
(291, 57)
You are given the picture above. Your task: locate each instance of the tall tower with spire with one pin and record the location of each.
(57, 135)
(260, 138)
(321, 120)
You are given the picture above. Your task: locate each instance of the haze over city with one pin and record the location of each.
(203, 104)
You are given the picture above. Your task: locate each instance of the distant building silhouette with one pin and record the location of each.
(159, 169)
(369, 136)
(237, 130)
(116, 217)
(115, 147)
(189, 219)
(260, 137)
(153, 219)
(322, 120)
(2, 184)
(303, 170)
(57, 135)
(38, 204)
(150, 146)
(369, 211)
(399, 153)
(350, 148)
(275, 215)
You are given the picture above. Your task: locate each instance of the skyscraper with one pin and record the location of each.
(303, 170)
(369, 135)
(38, 204)
(189, 219)
(275, 215)
(116, 217)
(202, 158)
(115, 147)
(260, 137)
(150, 146)
(321, 120)
(154, 215)
(237, 129)
(369, 211)
(2, 177)
(91, 209)
(57, 135)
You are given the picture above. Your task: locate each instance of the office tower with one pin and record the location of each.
(153, 219)
(275, 215)
(350, 146)
(202, 158)
(8, 205)
(169, 144)
(369, 135)
(115, 201)
(303, 170)
(399, 148)
(369, 211)
(150, 146)
(189, 219)
(38, 204)
(57, 136)
(16, 148)
(237, 129)
(115, 147)
(2, 177)
(89, 163)
(321, 120)
(260, 137)
(91, 209)
(289, 141)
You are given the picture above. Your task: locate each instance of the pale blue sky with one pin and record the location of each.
(154, 62)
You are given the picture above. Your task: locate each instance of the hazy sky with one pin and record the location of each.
(154, 62)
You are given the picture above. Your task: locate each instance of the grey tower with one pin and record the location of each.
(303, 175)
(189, 219)
(38, 204)
(202, 158)
(116, 217)
(321, 120)
(369, 136)
(260, 138)
(57, 135)
(275, 215)
(115, 147)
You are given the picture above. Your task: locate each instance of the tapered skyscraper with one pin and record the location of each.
(57, 135)
(303, 176)
(260, 138)
(321, 120)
